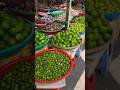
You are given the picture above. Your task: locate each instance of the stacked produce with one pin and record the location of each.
(61, 18)
(21, 77)
(48, 19)
(51, 66)
(40, 39)
(79, 19)
(52, 27)
(13, 30)
(66, 39)
(79, 27)
(78, 24)
(98, 30)
(98, 37)
(103, 6)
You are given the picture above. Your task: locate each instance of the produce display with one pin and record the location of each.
(56, 13)
(40, 23)
(54, 8)
(98, 30)
(51, 66)
(66, 39)
(48, 19)
(40, 39)
(53, 27)
(97, 37)
(61, 18)
(78, 24)
(19, 78)
(102, 6)
(13, 30)
(79, 27)
(79, 19)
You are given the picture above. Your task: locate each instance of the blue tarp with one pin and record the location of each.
(112, 16)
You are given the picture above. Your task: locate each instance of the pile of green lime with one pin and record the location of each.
(51, 66)
(97, 37)
(40, 38)
(65, 39)
(21, 77)
(13, 30)
(98, 30)
(102, 6)
(79, 27)
(79, 19)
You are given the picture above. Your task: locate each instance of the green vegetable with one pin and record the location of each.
(79, 27)
(98, 30)
(19, 78)
(79, 19)
(40, 38)
(67, 38)
(13, 30)
(51, 66)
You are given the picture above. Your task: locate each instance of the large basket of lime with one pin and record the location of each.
(78, 24)
(15, 33)
(68, 39)
(15, 74)
(98, 40)
(99, 32)
(78, 19)
(52, 66)
(78, 27)
(56, 67)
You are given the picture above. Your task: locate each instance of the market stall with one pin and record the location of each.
(100, 37)
(59, 38)
(61, 23)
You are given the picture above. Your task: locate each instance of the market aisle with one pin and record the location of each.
(114, 69)
(81, 82)
(76, 81)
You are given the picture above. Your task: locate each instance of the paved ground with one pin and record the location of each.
(75, 75)
(107, 82)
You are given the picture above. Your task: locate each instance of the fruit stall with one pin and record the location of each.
(41, 44)
(100, 37)
(62, 29)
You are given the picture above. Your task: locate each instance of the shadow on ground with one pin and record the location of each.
(72, 80)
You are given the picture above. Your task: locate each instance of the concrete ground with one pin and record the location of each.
(75, 75)
(107, 82)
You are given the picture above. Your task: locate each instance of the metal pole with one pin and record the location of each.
(68, 13)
